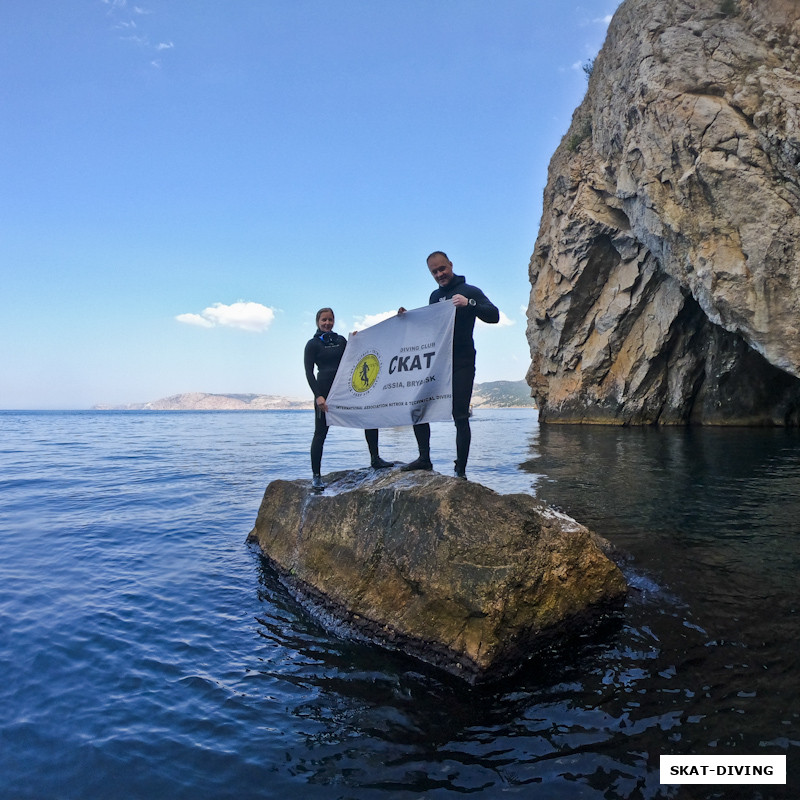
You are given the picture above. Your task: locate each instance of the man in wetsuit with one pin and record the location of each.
(471, 304)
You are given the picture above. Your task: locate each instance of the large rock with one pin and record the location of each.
(443, 569)
(666, 274)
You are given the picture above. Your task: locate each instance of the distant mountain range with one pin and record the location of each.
(502, 394)
(494, 394)
(201, 401)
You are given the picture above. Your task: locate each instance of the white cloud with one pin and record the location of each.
(504, 322)
(373, 319)
(246, 316)
(195, 319)
(116, 10)
(369, 320)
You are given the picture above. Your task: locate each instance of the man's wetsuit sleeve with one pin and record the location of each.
(485, 309)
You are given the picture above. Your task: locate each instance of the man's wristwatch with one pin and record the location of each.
(471, 301)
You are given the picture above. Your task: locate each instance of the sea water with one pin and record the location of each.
(147, 652)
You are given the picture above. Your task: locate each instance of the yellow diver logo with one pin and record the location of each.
(365, 373)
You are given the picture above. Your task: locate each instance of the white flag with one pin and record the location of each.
(398, 372)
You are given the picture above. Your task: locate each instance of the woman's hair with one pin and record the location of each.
(321, 312)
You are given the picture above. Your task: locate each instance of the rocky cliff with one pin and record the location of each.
(666, 273)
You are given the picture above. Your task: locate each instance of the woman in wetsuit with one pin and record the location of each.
(325, 350)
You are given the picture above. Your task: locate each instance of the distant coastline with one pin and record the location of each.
(203, 401)
(494, 394)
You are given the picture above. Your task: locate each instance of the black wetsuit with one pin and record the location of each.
(463, 363)
(325, 351)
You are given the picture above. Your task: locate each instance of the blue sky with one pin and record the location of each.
(186, 183)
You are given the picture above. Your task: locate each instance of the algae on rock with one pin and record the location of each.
(443, 569)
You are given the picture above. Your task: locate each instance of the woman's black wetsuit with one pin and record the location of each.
(325, 351)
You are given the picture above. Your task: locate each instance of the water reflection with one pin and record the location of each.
(700, 661)
(695, 488)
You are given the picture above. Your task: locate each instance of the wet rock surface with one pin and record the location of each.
(445, 570)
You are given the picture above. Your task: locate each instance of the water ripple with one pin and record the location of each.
(147, 652)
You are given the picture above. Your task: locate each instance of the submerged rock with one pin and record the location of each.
(443, 569)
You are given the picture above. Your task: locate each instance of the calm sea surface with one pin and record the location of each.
(145, 652)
